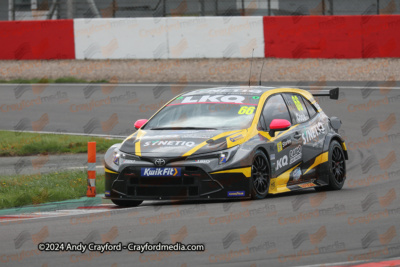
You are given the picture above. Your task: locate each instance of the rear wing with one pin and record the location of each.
(332, 93)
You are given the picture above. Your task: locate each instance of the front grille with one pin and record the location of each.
(188, 184)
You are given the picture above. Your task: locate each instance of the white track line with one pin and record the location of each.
(343, 87)
(81, 168)
(347, 262)
(78, 134)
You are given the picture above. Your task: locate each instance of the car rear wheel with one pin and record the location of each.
(127, 203)
(337, 167)
(260, 176)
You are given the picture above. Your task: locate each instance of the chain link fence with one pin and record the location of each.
(65, 9)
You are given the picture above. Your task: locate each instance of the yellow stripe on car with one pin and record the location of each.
(246, 171)
(110, 171)
(318, 160)
(191, 151)
(344, 146)
(281, 181)
(140, 134)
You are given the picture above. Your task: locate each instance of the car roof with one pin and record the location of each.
(231, 90)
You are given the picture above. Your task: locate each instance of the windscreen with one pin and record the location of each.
(207, 111)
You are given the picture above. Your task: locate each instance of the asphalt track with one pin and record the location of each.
(358, 223)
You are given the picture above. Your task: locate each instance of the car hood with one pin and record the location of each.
(180, 143)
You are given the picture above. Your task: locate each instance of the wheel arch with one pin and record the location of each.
(264, 150)
(330, 137)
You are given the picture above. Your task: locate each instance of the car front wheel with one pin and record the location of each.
(260, 176)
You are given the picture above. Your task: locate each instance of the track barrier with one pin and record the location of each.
(91, 189)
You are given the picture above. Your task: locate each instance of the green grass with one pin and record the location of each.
(59, 80)
(25, 144)
(21, 190)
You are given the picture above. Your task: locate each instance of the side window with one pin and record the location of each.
(310, 108)
(275, 108)
(297, 108)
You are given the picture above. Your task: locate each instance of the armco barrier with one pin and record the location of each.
(52, 39)
(381, 36)
(332, 36)
(203, 37)
(160, 38)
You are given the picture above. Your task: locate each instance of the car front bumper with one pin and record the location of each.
(193, 183)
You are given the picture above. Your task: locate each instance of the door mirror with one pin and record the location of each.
(278, 125)
(140, 123)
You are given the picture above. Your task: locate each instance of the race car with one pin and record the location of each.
(229, 143)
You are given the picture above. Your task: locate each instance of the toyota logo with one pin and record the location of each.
(159, 162)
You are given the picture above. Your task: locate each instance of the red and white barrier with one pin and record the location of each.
(203, 37)
(91, 188)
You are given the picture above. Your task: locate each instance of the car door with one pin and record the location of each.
(283, 142)
(308, 129)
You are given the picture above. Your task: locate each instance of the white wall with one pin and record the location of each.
(175, 37)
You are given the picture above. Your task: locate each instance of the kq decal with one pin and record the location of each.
(236, 138)
(160, 172)
(282, 162)
(283, 144)
(295, 154)
(169, 143)
(214, 98)
(313, 132)
(236, 193)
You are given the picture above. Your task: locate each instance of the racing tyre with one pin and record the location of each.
(127, 203)
(260, 176)
(337, 168)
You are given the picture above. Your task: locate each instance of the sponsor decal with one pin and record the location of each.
(116, 159)
(272, 156)
(297, 103)
(313, 132)
(129, 161)
(295, 154)
(169, 143)
(236, 138)
(107, 193)
(273, 185)
(222, 159)
(283, 144)
(254, 91)
(214, 98)
(246, 110)
(296, 174)
(202, 161)
(236, 193)
(307, 185)
(301, 117)
(167, 171)
(282, 162)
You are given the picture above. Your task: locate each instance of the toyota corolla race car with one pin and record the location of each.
(229, 143)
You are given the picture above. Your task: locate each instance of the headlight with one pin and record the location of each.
(223, 156)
